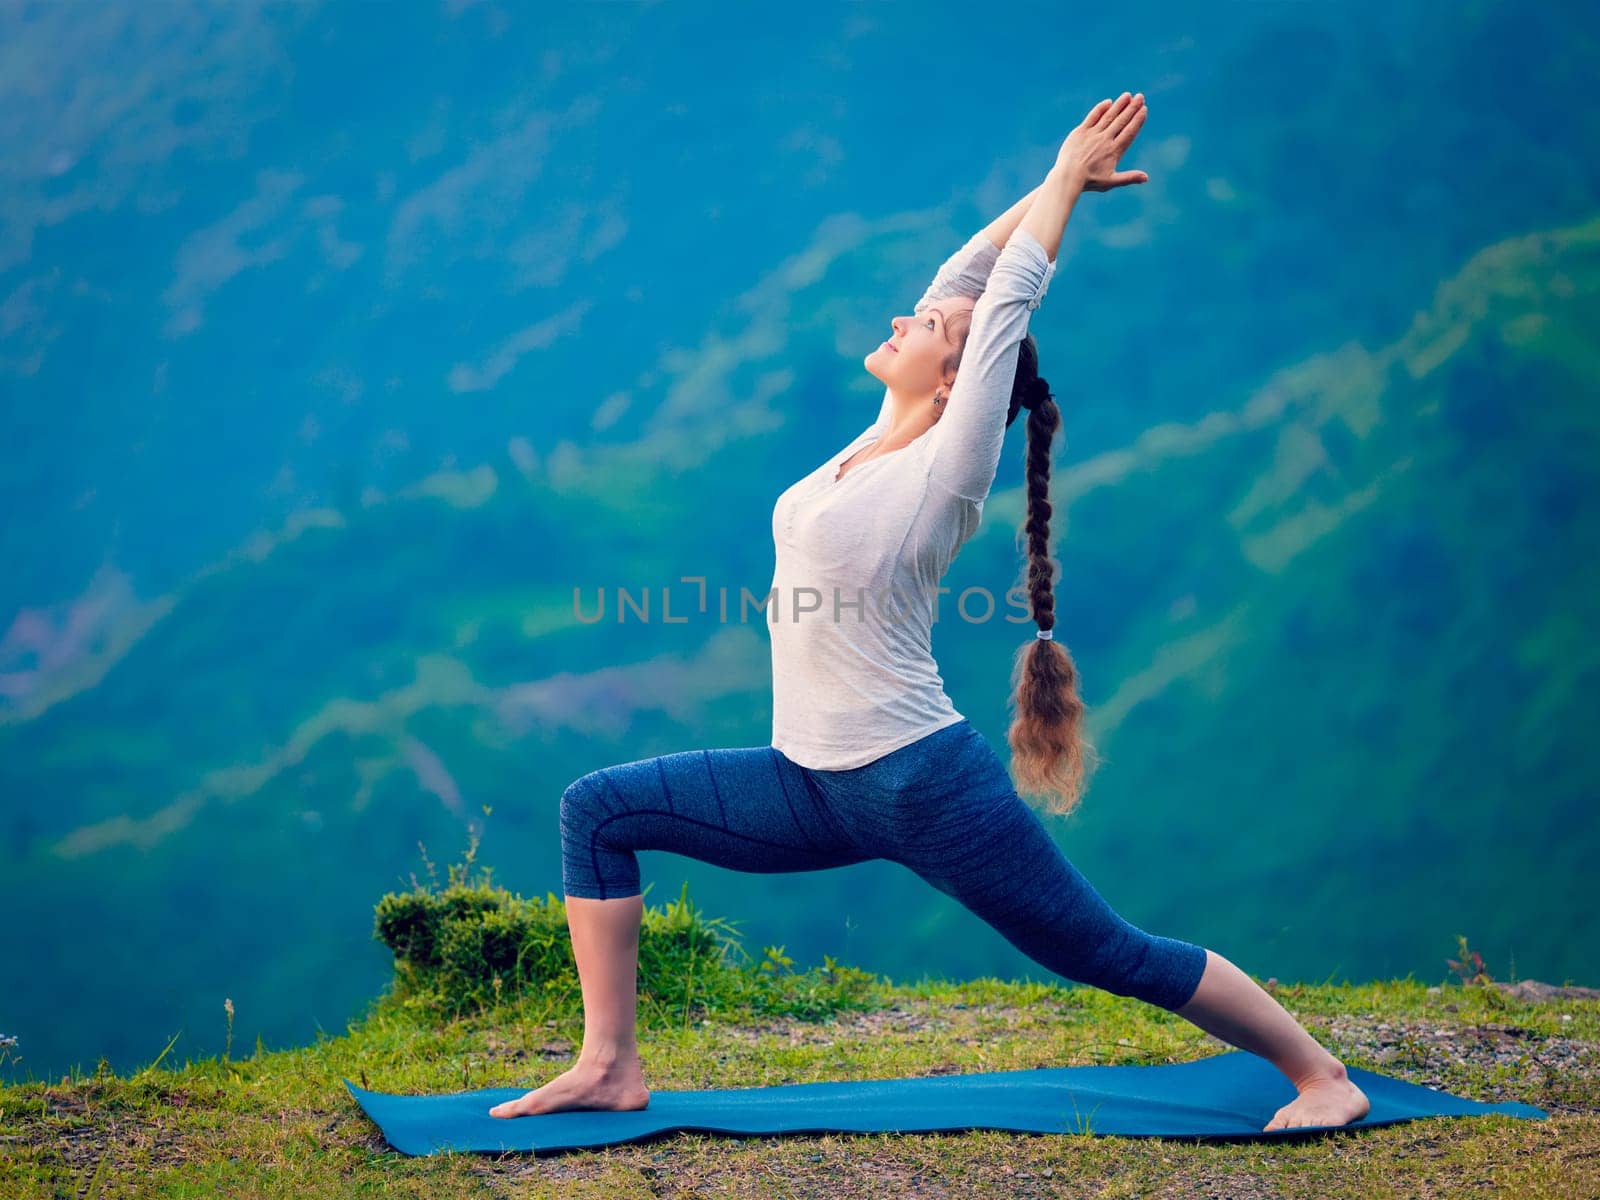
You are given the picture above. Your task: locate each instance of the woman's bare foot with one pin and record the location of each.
(585, 1085)
(1324, 1100)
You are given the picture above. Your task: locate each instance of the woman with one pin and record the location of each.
(868, 757)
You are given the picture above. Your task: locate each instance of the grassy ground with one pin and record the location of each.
(281, 1123)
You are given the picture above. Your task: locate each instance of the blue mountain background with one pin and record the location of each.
(339, 344)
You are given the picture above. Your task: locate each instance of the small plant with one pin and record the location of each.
(1082, 1122)
(1411, 1050)
(1469, 967)
(227, 1007)
(776, 961)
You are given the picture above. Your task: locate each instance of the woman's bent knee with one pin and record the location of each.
(579, 805)
(590, 868)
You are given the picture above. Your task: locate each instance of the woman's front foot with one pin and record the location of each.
(588, 1085)
(1329, 1099)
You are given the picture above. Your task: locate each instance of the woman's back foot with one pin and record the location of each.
(1326, 1100)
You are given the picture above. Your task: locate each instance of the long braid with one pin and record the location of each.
(1051, 757)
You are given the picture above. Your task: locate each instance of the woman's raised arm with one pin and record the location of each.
(966, 272)
(967, 438)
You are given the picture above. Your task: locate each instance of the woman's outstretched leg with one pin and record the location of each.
(748, 809)
(1230, 1005)
(961, 826)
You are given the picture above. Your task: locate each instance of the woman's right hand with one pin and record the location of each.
(1092, 149)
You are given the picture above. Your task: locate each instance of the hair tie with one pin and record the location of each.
(1044, 635)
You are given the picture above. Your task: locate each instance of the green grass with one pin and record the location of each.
(281, 1123)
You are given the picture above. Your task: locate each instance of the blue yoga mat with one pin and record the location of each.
(1230, 1095)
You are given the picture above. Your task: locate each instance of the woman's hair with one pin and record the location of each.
(1050, 755)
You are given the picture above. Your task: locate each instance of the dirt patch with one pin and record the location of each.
(1502, 1061)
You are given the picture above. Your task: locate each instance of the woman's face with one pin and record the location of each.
(912, 360)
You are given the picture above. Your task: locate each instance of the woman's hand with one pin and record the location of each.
(1092, 149)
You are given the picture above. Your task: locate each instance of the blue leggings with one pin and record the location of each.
(943, 806)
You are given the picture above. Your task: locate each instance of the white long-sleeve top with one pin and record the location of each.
(858, 559)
